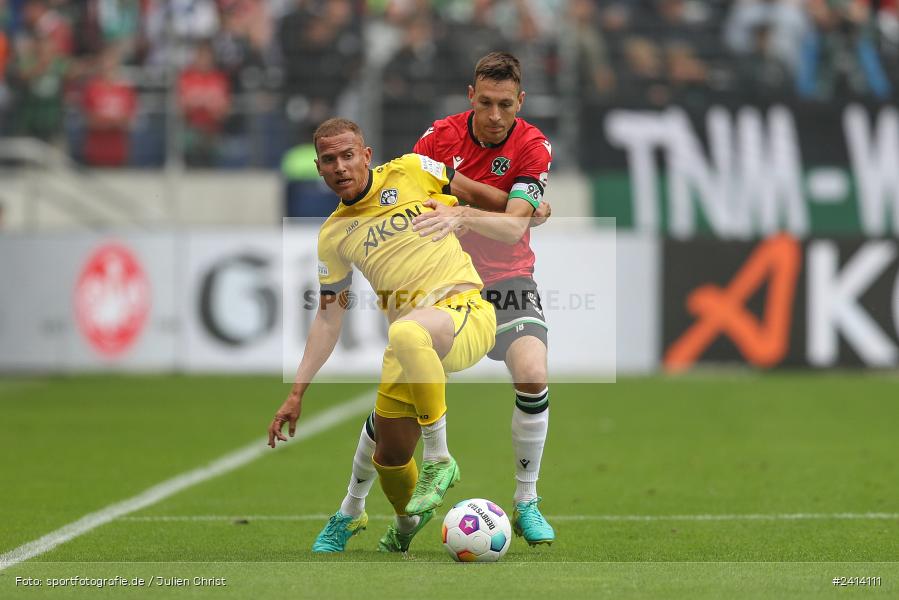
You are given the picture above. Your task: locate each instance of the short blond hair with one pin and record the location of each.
(336, 126)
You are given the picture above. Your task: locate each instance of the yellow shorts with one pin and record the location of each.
(475, 332)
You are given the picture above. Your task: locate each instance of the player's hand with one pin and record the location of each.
(288, 413)
(544, 210)
(439, 222)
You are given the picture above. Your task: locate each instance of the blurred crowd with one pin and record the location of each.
(661, 51)
(103, 77)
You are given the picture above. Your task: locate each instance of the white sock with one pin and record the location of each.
(434, 441)
(405, 523)
(528, 438)
(363, 475)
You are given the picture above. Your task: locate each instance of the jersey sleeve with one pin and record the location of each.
(533, 174)
(433, 176)
(335, 274)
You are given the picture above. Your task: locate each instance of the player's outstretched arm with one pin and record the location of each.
(478, 194)
(323, 335)
(507, 227)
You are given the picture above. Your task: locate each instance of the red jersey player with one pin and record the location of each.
(489, 144)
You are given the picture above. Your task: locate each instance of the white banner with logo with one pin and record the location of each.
(87, 302)
(243, 301)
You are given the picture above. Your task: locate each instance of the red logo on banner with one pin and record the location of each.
(112, 299)
(722, 311)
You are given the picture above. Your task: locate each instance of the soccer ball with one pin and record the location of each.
(476, 530)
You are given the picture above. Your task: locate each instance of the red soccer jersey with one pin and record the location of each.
(522, 162)
(205, 97)
(109, 106)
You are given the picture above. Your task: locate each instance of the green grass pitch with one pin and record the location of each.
(706, 486)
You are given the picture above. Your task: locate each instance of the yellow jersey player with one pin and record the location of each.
(430, 293)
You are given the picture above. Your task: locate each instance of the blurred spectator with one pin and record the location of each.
(5, 54)
(762, 71)
(414, 81)
(784, 23)
(242, 43)
(473, 37)
(204, 96)
(43, 21)
(385, 31)
(685, 43)
(527, 28)
(414, 71)
(615, 18)
(595, 75)
(685, 68)
(839, 53)
(109, 103)
(643, 78)
(887, 18)
(39, 77)
(532, 27)
(105, 22)
(321, 42)
(173, 27)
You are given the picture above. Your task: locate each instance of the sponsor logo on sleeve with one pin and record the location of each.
(323, 269)
(431, 166)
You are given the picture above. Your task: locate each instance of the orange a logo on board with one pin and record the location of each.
(112, 299)
(722, 311)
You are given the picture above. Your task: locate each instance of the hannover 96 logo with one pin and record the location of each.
(500, 165)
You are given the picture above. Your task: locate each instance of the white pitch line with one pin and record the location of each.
(745, 517)
(225, 464)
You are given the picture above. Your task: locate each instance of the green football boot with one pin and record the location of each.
(394, 541)
(531, 525)
(434, 480)
(337, 532)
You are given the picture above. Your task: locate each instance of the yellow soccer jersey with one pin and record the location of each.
(374, 233)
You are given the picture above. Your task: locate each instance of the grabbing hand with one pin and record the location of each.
(288, 413)
(544, 210)
(439, 222)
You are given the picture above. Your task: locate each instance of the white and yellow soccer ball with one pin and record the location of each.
(476, 530)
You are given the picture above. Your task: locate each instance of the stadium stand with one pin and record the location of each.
(399, 63)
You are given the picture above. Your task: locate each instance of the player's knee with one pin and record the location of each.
(389, 456)
(407, 336)
(530, 378)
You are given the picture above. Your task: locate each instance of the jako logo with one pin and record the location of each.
(112, 299)
(722, 311)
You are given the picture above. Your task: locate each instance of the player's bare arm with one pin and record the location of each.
(507, 227)
(323, 335)
(487, 197)
(478, 194)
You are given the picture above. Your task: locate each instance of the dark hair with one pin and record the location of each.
(333, 127)
(498, 66)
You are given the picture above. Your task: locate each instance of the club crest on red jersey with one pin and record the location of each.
(500, 165)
